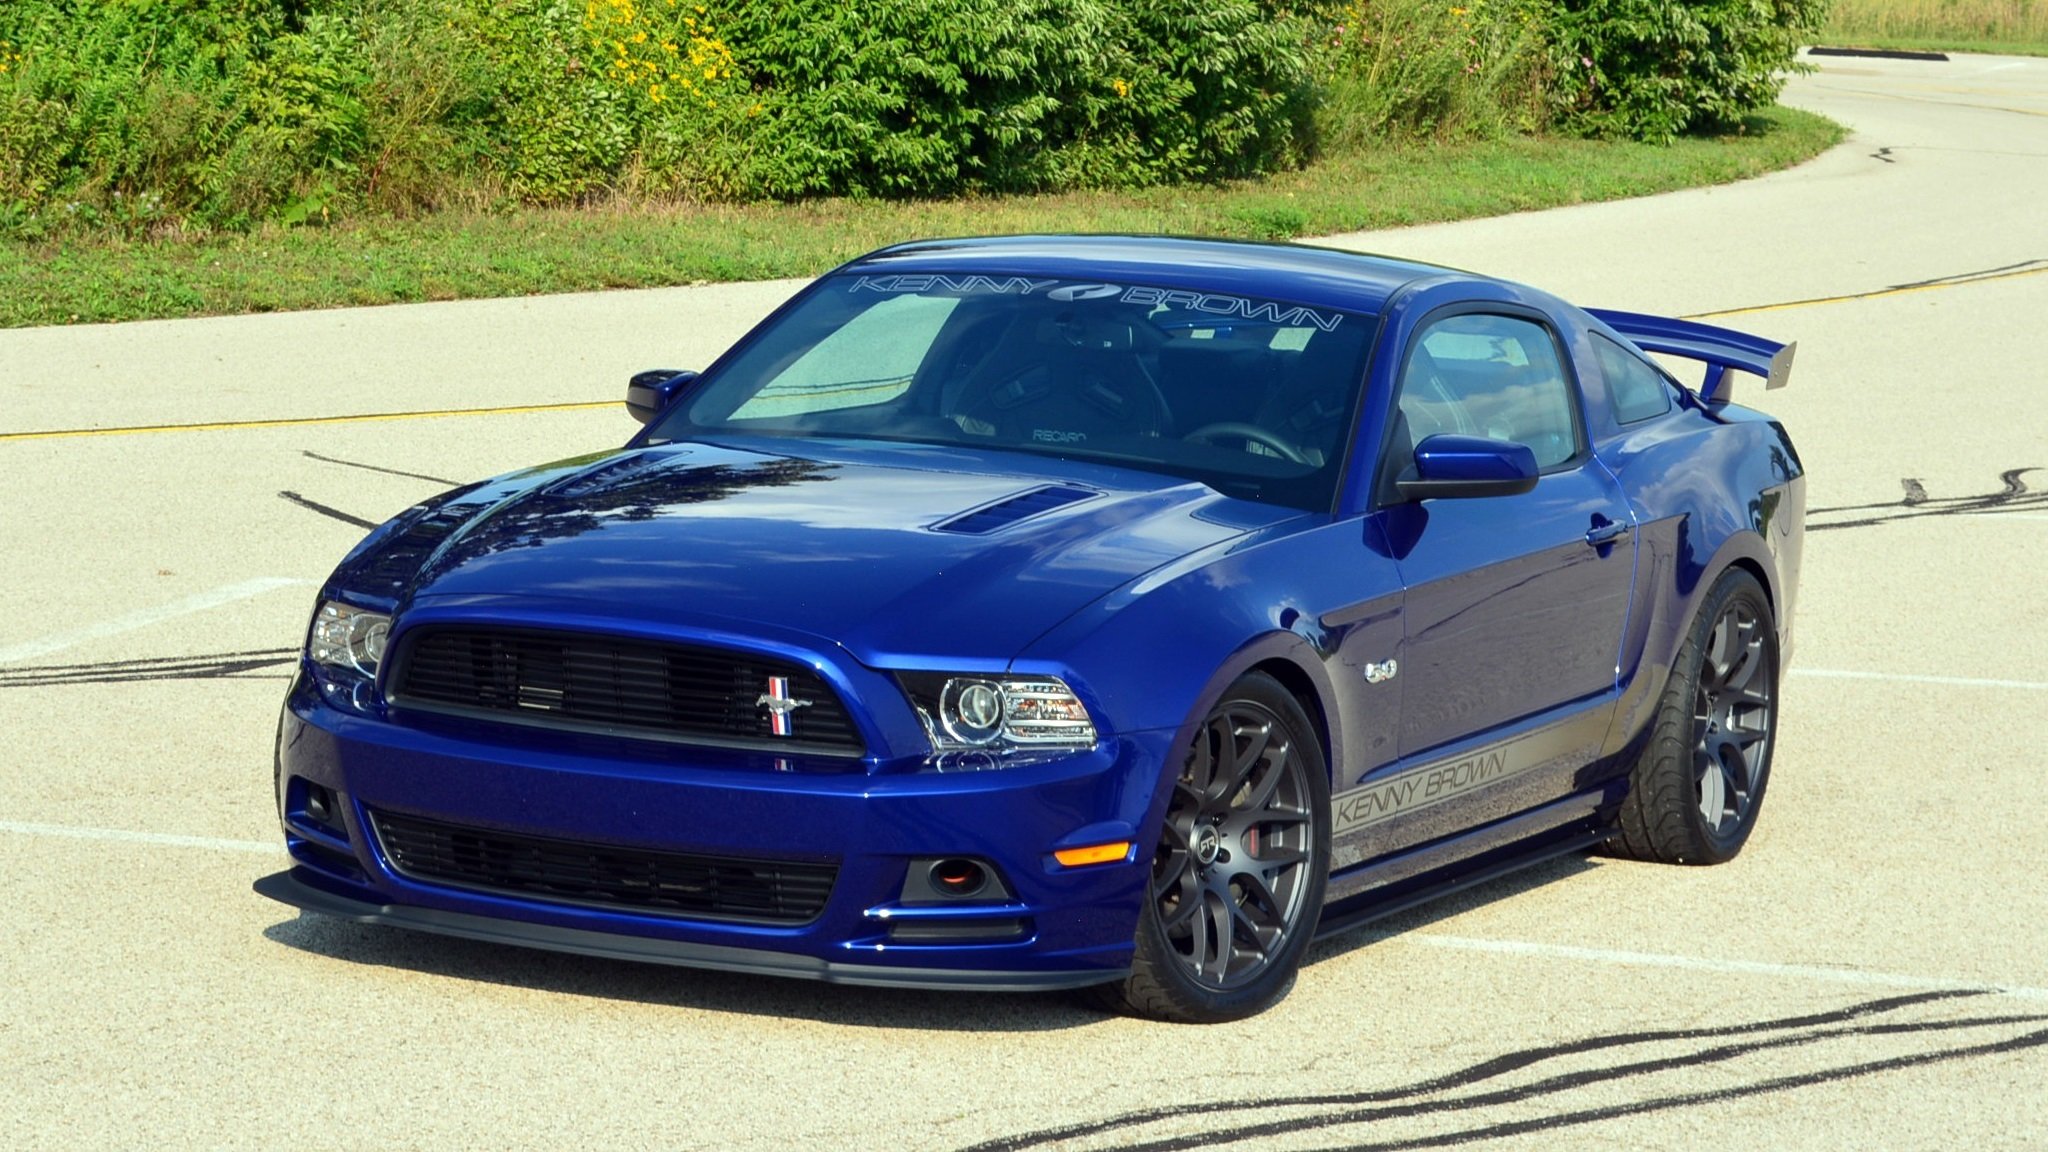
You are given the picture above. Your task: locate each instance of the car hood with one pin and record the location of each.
(900, 555)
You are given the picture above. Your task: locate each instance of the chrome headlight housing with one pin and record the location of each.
(1000, 713)
(346, 637)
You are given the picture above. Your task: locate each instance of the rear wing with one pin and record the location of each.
(1719, 348)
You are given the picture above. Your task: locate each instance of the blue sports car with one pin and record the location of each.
(1043, 612)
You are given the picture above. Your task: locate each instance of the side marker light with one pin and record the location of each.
(1093, 854)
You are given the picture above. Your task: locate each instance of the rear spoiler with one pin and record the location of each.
(1719, 348)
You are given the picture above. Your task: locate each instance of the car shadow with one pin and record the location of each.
(1443, 908)
(783, 998)
(665, 985)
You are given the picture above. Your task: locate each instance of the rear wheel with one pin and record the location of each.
(1696, 789)
(1237, 880)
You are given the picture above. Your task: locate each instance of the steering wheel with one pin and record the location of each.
(1251, 434)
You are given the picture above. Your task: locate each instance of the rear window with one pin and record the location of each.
(1638, 390)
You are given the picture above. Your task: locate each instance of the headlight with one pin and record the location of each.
(999, 713)
(348, 637)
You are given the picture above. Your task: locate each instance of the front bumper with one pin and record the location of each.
(1049, 926)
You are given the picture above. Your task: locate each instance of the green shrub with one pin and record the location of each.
(1422, 69)
(151, 117)
(1651, 69)
(916, 97)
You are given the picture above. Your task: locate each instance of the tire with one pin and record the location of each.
(1698, 784)
(1237, 879)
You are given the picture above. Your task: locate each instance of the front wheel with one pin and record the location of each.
(1695, 792)
(1237, 880)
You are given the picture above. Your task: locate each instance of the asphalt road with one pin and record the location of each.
(1872, 972)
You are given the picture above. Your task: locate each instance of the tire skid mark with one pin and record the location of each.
(1821, 1025)
(221, 666)
(324, 510)
(1566, 1082)
(312, 455)
(2021, 1043)
(2011, 496)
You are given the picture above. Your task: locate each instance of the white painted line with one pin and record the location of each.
(1907, 678)
(144, 617)
(1704, 964)
(125, 836)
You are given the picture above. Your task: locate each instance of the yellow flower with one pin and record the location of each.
(1122, 89)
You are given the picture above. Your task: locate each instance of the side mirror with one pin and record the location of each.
(649, 392)
(1448, 466)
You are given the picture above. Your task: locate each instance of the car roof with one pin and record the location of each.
(1349, 281)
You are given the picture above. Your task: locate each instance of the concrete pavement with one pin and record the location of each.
(1872, 972)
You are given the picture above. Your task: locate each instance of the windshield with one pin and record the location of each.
(1252, 397)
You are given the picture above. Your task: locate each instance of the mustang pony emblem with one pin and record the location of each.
(779, 705)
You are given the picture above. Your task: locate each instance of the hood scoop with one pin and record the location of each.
(1011, 509)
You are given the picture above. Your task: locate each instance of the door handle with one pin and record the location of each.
(1601, 535)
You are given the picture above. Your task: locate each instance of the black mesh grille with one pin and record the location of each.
(567, 871)
(603, 683)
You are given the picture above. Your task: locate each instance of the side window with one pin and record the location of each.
(887, 343)
(1639, 391)
(1494, 376)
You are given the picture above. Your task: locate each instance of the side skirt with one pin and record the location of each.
(1425, 874)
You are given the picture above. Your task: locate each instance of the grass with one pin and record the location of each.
(2010, 27)
(458, 256)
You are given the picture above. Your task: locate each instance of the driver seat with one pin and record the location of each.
(1316, 388)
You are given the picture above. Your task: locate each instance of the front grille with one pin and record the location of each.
(604, 875)
(625, 687)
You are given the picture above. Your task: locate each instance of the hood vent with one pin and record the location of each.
(1010, 509)
(399, 561)
(604, 475)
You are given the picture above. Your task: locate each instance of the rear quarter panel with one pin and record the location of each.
(1710, 489)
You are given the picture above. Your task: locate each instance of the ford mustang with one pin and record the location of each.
(1049, 612)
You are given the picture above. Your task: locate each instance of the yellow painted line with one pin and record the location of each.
(296, 421)
(293, 422)
(1878, 294)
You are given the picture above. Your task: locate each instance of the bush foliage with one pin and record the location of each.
(1652, 69)
(154, 117)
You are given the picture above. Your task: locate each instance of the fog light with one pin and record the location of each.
(958, 878)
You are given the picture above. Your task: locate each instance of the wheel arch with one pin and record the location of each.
(1751, 566)
(1305, 693)
(1293, 662)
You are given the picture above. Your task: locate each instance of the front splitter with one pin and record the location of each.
(287, 888)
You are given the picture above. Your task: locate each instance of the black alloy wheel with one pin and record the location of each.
(1237, 879)
(1695, 792)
